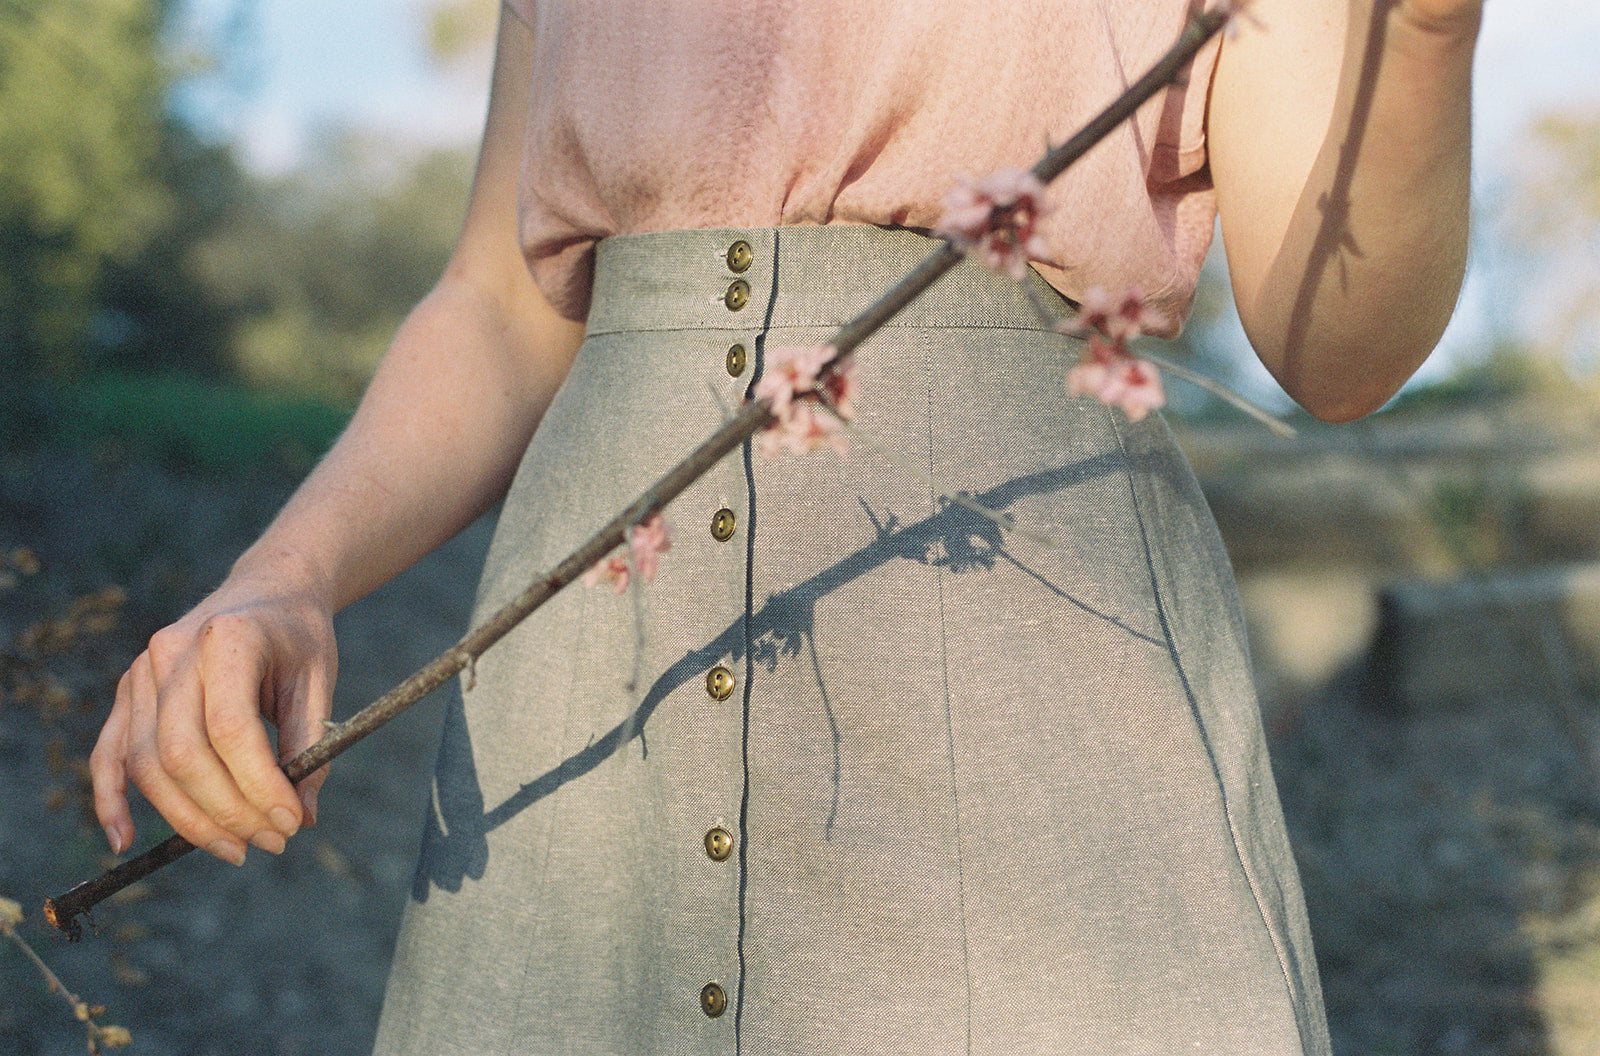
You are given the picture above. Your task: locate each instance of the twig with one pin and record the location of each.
(1201, 27)
(111, 1037)
(1250, 407)
(63, 910)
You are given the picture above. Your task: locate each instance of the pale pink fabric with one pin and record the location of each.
(655, 115)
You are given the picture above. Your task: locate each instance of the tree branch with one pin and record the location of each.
(63, 910)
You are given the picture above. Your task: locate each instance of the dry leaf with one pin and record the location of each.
(115, 1037)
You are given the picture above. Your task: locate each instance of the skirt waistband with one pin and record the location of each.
(757, 279)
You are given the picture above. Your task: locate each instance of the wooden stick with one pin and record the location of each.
(63, 910)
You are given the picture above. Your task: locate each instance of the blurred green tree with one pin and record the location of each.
(327, 260)
(81, 115)
(132, 243)
(460, 30)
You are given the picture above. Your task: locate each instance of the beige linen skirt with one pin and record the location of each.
(860, 771)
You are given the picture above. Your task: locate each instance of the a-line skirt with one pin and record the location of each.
(860, 771)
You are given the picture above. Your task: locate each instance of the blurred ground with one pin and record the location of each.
(1440, 788)
(285, 955)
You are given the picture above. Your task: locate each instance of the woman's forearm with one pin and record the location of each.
(443, 424)
(1348, 300)
(432, 445)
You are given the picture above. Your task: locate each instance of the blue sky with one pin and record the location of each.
(307, 64)
(317, 62)
(362, 60)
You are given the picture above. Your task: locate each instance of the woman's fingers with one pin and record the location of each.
(155, 756)
(302, 726)
(108, 774)
(248, 795)
(187, 727)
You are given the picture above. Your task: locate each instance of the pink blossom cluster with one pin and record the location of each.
(998, 217)
(1108, 371)
(647, 541)
(811, 400)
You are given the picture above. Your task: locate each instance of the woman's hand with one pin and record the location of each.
(187, 726)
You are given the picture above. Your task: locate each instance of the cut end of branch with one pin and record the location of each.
(63, 922)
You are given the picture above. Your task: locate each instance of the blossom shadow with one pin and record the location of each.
(953, 538)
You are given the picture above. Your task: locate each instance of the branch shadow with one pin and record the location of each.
(953, 538)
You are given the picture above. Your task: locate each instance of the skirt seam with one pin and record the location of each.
(1235, 840)
(950, 742)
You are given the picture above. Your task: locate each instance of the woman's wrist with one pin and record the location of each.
(285, 570)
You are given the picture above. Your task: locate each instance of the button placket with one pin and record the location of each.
(739, 258)
(724, 519)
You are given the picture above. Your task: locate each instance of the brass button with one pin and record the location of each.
(740, 257)
(738, 295)
(737, 358)
(719, 683)
(723, 522)
(713, 1000)
(719, 844)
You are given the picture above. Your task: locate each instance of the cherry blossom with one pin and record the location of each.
(611, 572)
(811, 400)
(1120, 318)
(1108, 371)
(1117, 378)
(999, 217)
(647, 541)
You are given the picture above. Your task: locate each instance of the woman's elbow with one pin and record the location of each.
(1344, 382)
(1343, 370)
(1340, 407)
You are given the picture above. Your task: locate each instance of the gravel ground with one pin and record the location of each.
(285, 955)
(1451, 854)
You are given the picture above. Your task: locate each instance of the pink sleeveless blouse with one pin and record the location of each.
(656, 115)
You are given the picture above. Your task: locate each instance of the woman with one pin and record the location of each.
(857, 772)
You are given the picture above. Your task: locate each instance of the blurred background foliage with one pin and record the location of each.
(152, 289)
(1550, 226)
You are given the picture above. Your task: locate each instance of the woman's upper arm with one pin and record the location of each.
(488, 254)
(1340, 138)
(1272, 99)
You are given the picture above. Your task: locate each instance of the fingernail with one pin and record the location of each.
(269, 840)
(283, 821)
(114, 838)
(228, 851)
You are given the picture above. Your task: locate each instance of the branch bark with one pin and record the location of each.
(63, 910)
